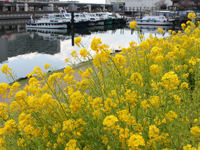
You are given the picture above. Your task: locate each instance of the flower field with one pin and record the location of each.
(146, 97)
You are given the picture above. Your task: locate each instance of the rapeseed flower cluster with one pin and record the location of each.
(146, 97)
(133, 24)
(191, 15)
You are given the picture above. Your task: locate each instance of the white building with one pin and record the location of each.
(147, 4)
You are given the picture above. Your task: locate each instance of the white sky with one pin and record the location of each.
(89, 1)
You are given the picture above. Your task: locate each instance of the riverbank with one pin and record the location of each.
(82, 66)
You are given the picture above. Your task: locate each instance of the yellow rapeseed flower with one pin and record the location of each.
(20, 95)
(77, 41)
(46, 66)
(133, 25)
(171, 115)
(195, 131)
(160, 30)
(145, 104)
(74, 54)
(153, 131)
(66, 60)
(3, 111)
(184, 85)
(189, 147)
(5, 69)
(154, 69)
(136, 78)
(183, 25)
(191, 15)
(195, 120)
(110, 120)
(95, 44)
(84, 52)
(170, 80)
(136, 141)
(71, 145)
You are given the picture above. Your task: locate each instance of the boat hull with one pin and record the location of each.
(99, 23)
(90, 24)
(78, 24)
(116, 21)
(122, 20)
(108, 22)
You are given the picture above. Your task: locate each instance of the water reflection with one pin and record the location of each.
(24, 49)
(65, 34)
(25, 43)
(154, 29)
(11, 29)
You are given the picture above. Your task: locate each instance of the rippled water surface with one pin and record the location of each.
(24, 49)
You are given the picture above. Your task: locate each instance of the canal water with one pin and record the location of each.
(22, 49)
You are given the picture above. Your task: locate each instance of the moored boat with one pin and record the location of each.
(110, 18)
(49, 21)
(77, 24)
(106, 17)
(117, 18)
(78, 21)
(170, 15)
(108, 22)
(50, 25)
(153, 20)
(116, 21)
(98, 21)
(90, 18)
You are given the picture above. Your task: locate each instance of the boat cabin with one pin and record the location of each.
(165, 13)
(153, 18)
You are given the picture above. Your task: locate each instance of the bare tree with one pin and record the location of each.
(161, 4)
(188, 4)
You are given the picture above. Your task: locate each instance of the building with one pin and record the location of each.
(186, 4)
(141, 4)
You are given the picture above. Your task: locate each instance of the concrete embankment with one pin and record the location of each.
(23, 15)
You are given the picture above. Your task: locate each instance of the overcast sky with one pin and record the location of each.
(89, 1)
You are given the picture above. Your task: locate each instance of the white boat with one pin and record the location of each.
(80, 21)
(153, 20)
(118, 18)
(80, 17)
(170, 15)
(108, 19)
(49, 21)
(98, 21)
(90, 18)
(83, 18)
